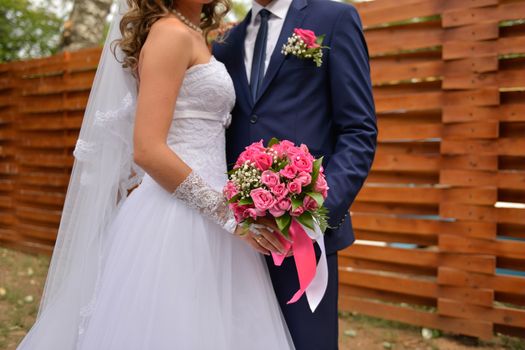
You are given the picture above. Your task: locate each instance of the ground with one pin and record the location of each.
(22, 278)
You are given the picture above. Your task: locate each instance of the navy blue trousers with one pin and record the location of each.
(310, 331)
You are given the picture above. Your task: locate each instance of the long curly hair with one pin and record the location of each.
(142, 14)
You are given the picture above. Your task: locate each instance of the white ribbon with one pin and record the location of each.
(317, 288)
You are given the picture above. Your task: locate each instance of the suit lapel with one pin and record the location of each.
(239, 71)
(293, 20)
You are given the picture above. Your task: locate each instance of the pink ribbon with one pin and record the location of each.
(304, 257)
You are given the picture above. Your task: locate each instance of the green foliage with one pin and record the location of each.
(283, 223)
(239, 10)
(27, 31)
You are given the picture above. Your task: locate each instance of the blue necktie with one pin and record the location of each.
(259, 54)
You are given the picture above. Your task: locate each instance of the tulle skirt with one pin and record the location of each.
(175, 280)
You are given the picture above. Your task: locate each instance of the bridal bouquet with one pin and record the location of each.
(285, 183)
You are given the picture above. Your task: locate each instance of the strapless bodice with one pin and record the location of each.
(202, 112)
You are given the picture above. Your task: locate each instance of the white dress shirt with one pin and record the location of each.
(278, 10)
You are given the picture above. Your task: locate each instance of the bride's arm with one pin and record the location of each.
(165, 57)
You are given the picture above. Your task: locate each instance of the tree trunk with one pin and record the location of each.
(86, 24)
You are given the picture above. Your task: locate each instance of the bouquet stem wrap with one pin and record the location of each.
(313, 279)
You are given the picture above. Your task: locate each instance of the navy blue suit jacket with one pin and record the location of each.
(330, 109)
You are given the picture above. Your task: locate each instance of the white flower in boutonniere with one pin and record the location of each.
(304, 44)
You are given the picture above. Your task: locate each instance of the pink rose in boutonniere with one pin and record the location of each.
(304, 44)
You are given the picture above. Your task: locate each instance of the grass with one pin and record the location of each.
(22, 279)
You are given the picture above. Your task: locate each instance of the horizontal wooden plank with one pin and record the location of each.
(502, 80)
(421, 257)
(471, 130)
(396, 69)
(389, 282)
(39, 197)
(502, 179)
(505, 112)
(503, 46)
(59, 122)
(31, 231)
(501, 146)
(46, 160)
(385, 296)
(349, 262)
(497, 247)
(468, 162)
(500, 283)
(402, 38)
(474, 327)
(383, 194)
(49, 141)
(406, 162)
(459, 17)
(482, 213)
(391, 131)
(33, 214)
(409, 102)
(486, 96)
(502, 315)
(421, 226)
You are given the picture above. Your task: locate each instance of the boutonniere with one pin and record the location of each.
(304, 44)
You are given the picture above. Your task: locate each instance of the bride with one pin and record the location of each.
(165, 267)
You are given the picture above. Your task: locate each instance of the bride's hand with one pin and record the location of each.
(265, 242)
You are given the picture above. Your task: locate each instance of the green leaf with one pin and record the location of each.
(273, 141)
(307, 220)
(296, 203)
(235, 198)
(320, 39)
(316, 167)
(246, 201)
(317, 197)
(283, 223)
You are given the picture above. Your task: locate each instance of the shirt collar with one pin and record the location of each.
(278, 8)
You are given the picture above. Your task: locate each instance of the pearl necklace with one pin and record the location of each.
(187, 21)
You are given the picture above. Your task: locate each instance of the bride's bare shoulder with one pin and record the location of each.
(168, 34)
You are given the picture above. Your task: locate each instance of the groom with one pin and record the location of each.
(328, 108)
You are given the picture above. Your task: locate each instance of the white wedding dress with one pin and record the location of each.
(172, 278)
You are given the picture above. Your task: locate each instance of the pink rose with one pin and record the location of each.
(297, 212)
(309, 203)
(250, 153)
(321, 186)
(238, 211)
(263, 161)
(308, 37)
(276, 212)
(279, 190)
(281, 207)
(295, 187)
(292, 150)
(262, 199)
(304, 178)
(284, 204)
(230, 190)
(256, 147)
(269, 178)
(254, 213)
(302, 162)
(289, 171)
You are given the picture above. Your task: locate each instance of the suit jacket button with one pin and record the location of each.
(253, 119)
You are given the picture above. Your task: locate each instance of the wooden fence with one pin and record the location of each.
(441, 221)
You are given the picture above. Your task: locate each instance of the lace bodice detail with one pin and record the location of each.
(202, 112)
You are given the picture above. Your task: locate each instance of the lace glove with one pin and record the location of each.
(196, 193)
